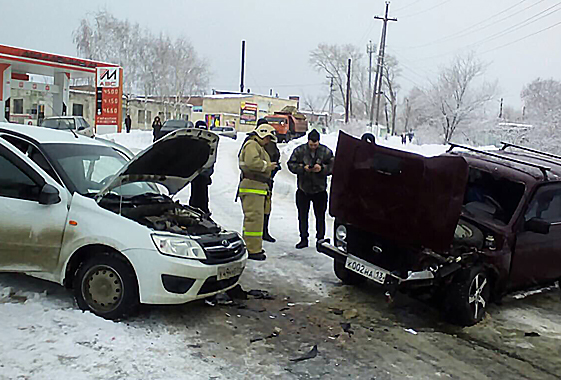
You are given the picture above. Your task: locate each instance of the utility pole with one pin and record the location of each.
(370, 51)
(348, 100)
(331, 99)
(243, 65)
(501, 109)
(380, 66)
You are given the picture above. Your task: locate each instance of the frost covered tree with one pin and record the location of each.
(456, 96)
(332, 60)
(542, 101)
(153, 66)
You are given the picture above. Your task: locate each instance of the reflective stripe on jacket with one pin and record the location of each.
(254, 161)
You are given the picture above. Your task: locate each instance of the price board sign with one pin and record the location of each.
(109, 98)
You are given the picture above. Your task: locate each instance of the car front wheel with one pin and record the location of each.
(346, 276)
(106, 285)
(468, 296)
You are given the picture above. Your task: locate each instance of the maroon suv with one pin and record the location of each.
(464, 227)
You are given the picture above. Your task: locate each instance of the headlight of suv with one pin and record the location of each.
(341, 233)
(178, 247)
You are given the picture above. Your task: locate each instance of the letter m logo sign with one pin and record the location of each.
(108, 74)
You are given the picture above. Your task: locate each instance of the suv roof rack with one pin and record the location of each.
(543, 169)
(507, 144)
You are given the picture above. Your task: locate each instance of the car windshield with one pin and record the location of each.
(491, 197)
(91, 167)
(58, 123)
(275, 119)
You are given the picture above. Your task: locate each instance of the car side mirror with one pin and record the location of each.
(81, 128)
(49, 195)
(537, 225)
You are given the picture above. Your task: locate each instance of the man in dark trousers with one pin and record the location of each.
(200, 184)
(128, 123)
(312, 163)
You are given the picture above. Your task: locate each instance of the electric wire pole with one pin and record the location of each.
(331, 99)
(369, 51)
(380, 66)
(348, 100)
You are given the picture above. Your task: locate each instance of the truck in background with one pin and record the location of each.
(289, 123)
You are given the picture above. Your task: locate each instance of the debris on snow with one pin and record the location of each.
(310, 355)
(349, 314)
(532, 333)
(347, 328)
(411, 331)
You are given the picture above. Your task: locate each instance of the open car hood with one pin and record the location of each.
(172, 161)
(400, 196)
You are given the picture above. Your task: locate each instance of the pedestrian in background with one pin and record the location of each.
(256, 168)
(156, 127)
(312, 163)
(199, 185)
(128, 123)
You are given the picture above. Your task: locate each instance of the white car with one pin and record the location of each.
(76, 124)
(78, 212)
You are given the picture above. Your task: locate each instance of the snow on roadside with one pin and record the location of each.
(51, 338)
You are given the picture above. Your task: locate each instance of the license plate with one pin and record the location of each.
(229, 271)
(367, 270)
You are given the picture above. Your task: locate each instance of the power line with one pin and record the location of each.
(461, 32)
(519, 26)
(503, 32)
(407, 6)
(523, 38)
(426, 10)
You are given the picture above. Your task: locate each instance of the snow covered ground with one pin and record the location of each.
(45, 336)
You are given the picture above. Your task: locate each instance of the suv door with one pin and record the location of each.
(30, 232)
(537, 257)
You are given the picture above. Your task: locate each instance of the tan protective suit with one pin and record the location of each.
(255, 165)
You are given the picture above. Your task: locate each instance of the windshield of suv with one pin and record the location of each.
(491, 197)
(91, 167)
(58, 123)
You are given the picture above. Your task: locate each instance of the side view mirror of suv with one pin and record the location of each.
(537, 225)
(49, 195)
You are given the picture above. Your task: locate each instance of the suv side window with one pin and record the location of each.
(546, 204)
(14, 183)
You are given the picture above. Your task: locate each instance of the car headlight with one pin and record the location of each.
(178, 247)
(341, 233)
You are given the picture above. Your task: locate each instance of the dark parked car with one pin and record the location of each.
(173, 125)
(464, 227)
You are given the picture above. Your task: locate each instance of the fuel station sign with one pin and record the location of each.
(109, 99)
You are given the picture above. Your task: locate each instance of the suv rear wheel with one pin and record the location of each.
(467, 296)
(106, 285)
(346, 276)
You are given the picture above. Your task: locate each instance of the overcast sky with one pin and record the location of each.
(280, 34)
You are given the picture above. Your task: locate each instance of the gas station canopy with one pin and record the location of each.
(16, 64)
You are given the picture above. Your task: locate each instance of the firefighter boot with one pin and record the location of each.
(266, 235)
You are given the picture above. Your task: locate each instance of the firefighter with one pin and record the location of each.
(256, 167)
(274, 154)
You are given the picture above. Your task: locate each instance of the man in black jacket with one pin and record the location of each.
(200, 184)
(312, 163)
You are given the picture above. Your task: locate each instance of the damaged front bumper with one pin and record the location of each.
(389, 279)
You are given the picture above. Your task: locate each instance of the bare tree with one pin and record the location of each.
(333, 60)
(390, 88)
(454, 97)
(152, 65)
(542, 99)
